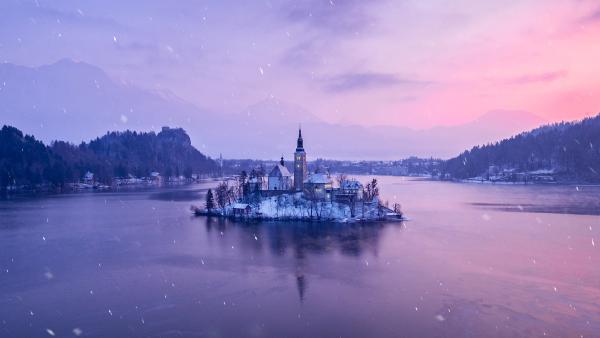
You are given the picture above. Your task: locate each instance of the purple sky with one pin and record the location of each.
(416, 63)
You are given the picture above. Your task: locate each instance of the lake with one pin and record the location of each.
(474, 260)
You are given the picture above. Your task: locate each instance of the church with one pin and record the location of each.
(280, 178)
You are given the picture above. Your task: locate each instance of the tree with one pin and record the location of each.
(341, 179)
(398, 208)
(371, 191)
(243, 182)
(187, 172)
(222, 192)
(210, 201)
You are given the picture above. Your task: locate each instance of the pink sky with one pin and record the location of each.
(416, 63)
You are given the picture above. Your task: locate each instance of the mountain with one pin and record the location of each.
(25, 161)
(568, 150)
(73, 101)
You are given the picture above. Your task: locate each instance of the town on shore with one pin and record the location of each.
(297, 195)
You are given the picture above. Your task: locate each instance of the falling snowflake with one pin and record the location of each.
(50, 332)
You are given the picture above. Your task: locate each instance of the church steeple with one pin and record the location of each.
(300, 143)
(300, 169)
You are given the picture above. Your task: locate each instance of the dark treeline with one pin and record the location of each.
(571, 149)
(25, 161)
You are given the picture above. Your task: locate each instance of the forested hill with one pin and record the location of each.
(25, 161)
(570, 151)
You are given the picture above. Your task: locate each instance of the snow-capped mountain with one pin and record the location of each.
(76, 101)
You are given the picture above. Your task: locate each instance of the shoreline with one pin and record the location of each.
(249, 219)
(509, 183)
(47, 191)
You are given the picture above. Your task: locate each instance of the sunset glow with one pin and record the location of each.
(413, 63)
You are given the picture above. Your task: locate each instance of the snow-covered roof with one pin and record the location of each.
(351, 185)
(279, 171)
(318, 178)
(240, 205)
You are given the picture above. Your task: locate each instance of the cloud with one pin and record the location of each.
(305, 53)
(325, 25)
(594, 16)
(34, 11)
(537, 78)
(370, 80)
(137, 46)
(340, 17)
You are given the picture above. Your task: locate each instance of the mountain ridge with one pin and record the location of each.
(74, 100)
(568, 150)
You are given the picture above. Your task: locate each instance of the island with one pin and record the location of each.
(299, 196)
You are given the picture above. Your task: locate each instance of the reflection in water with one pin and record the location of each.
(463, 267)
(177, 195)
(300, 240)
(589, 208)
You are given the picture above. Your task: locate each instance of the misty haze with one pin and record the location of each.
(318, 168)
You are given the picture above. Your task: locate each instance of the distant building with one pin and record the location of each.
(300, 169)
(88, 178)
(280, 178)
(241, 209)
(155, 177)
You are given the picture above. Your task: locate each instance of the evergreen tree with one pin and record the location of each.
(27, 162)
(210, 200)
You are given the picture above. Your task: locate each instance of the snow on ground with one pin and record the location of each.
(295, 206)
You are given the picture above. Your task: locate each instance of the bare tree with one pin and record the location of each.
(231, 194)
(398, 208)
(341, 179)
(371, 190)
(222, 192)
(311, 196)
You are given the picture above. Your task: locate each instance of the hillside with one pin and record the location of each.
(25, 161)
(567, 151)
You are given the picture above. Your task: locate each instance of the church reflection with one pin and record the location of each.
(301, 241)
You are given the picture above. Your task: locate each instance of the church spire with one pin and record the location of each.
(300, 144)
(300, 169)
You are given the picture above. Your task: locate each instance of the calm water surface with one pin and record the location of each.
(474, 261)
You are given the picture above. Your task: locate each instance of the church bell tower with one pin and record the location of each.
(300, 171)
